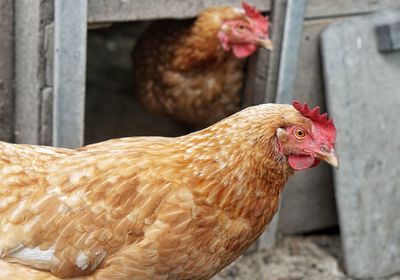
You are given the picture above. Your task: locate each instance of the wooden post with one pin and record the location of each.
(289, 57)
(69, 72)
(6, 70)
(27, 71)
(278, 19)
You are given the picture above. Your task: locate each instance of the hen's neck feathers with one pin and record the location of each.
(201, 45)
(237, 162)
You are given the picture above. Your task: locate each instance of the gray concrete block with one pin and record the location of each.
(308, 202)
(6, 71)
(363, 97)
(318, 9)
(129, 10)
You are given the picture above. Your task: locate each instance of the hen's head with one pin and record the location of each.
(309, 140)
(246, 32)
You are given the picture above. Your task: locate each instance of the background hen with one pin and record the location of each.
(153, 207)
(193, 72)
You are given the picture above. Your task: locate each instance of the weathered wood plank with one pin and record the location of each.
(46, 114)
(256, 78)
(70, 28)
(46, 117)
(308, 202)
(6, 70)
(278, 9)
(362, 86)
(129, 10)
(326, 8)
(291, 40)
(27, 71)
(49, 54)
(33, 65)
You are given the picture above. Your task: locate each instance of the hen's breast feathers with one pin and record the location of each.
(75, 209)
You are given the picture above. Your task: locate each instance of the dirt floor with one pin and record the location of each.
(294, 258)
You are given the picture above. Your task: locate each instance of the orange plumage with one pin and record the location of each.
(150, 207)
(193, 72)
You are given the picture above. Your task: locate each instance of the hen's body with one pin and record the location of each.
(142, 208)
(181, 70)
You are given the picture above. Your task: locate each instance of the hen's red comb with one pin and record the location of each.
(314, 114)
(256, 15)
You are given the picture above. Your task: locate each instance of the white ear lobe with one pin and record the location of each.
(239, 10)
(282, 135)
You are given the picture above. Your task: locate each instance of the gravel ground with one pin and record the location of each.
(294, 258)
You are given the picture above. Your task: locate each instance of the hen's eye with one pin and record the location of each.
(299, 133)
(241, 27)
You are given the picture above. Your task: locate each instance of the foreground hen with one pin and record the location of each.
(153, 207)
(193, 72)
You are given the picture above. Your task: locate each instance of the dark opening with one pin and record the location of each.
(112, 109)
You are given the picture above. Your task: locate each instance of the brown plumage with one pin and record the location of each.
(191, 71)
(146, 207)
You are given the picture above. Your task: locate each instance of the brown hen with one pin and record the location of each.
(151, 207)
(193, 72)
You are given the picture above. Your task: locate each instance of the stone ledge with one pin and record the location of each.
(131, 10)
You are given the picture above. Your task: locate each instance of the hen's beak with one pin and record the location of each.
(330, 158)
(266, 43)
